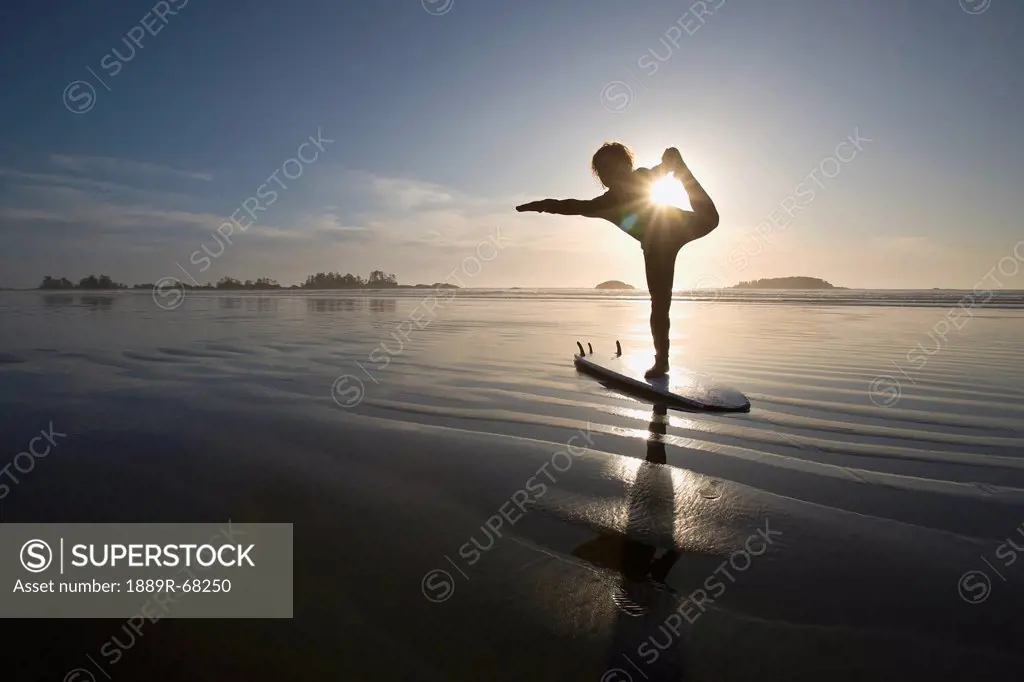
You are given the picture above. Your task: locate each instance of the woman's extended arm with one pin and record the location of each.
(563, 206)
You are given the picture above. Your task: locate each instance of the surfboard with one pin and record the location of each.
(680, 388)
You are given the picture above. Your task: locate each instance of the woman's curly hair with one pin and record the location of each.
(610, 153)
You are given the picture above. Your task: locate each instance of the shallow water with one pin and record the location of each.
(886, 434)
(839, 389)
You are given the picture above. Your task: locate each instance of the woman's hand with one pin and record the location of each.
(541, 206)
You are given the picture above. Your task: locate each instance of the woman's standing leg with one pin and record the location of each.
(660, 265)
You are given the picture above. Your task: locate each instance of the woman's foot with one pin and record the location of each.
(658, 369)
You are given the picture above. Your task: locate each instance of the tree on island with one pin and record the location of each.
(334, 280)
(92, 282)
(380, 280)
(260, 284)
(101, 282)
(322, 280)
(51, 283)
(786, 283)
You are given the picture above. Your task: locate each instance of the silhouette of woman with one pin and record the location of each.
(661, 230)
(639, 554)
(651, 500)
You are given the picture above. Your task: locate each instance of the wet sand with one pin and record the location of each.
(823, 535)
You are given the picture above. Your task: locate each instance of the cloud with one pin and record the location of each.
(349, 220)
(104, 164)
(40, 184)
(410, 194)
(98, 214)
(330, 222)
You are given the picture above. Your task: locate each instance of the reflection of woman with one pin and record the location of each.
(661, 230)
(642, 609)
(660, 566)
(651, 503)
(658, 427)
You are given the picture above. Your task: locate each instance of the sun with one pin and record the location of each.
(669, 192)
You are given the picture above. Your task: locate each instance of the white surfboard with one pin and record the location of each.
(680, 388)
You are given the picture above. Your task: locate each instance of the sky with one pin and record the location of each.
(870, 143)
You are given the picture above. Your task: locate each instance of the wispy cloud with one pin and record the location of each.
(35, 183)
(414, 228)
(411, 194)
(105, 164)
(330, 223)
(99, 214)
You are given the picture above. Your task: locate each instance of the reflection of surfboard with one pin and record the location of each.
(681, 388)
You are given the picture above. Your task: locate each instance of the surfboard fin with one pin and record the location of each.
(618, 349)
(580, 346)
(590, 348)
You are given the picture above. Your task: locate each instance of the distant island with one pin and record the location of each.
(614, 284)
(91, 282)
(378, 279)
(787, 283)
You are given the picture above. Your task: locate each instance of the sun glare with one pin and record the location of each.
(669, 192)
